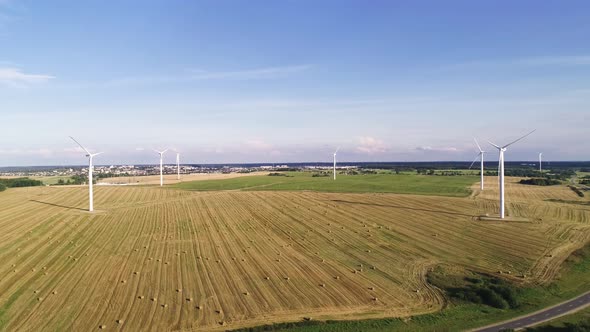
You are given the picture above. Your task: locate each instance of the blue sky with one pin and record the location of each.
(287, 81)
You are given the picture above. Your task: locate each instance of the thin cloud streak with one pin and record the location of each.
(534, 61)
(201, 75)
(17, 78)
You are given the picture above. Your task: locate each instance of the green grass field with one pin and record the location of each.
(50, 180)
(457, 186)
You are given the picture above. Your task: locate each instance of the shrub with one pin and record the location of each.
(540, 182)
(2, 187)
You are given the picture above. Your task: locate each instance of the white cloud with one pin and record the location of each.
(15, 77)
(533, 61)
(42, 152)
(437, 149)
(258, 145)
(371, 145)
(202, 75)
(259, 73)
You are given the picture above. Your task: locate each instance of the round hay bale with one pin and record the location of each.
(119, 321)
(102, 327)
(179, 290)
(199, 307)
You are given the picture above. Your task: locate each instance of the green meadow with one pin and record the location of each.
(457, 186)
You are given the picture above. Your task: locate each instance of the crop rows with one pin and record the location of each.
(160, 259)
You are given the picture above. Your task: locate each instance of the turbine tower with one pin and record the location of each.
(161, 169)
(501, 150)
(480, 154)
(335, 152)
(540, 159)
(90, 167)
(177, 165)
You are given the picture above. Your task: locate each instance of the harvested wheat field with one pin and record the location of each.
(161, 259)
(172, 178)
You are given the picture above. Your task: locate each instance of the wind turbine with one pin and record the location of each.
(177, 165)
(161, 169)
(501, 150)
(480, 154)
(90, 167)
(335, 152)
(540, 159)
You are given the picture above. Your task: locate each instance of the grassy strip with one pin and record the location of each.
(579, 321)
(461, 314)
(457, 186)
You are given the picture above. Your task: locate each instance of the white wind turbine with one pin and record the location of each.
(161, 168)
(540, 160)
(335, 152)
(480, 154)
(90, 167)
(177, 165)
(502, 149)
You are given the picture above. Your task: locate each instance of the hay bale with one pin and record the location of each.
(375, 299)
(135, 272)
(141, 297)
(102, 327)
(189, 299)
(307, 318)
(199, 307)
(322, 285)
(337, 277)
(178, 290)
(39, 299)
(287, 278)
(218, 311)
(154, 299)
(119, 321)
(371, 288)
(246, 293)
(164, 305)
(267, 278)
(54, 292)
(123, 281)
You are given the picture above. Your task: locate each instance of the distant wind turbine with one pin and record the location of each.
(540, 160)
(335, 152)
(502, 149)
(90, 179)
(161, 167)
(480, 154)
(178, 165)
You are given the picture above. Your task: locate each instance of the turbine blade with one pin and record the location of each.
(338, 148)
(96, 154)
(479, 147)
(83, 148)
(507, 145)
(497, 147)
(474, 161)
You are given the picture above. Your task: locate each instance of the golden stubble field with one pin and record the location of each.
(172, 178)
(162, 259)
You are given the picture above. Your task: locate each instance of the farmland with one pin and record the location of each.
(163, 259)
(375, 183)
